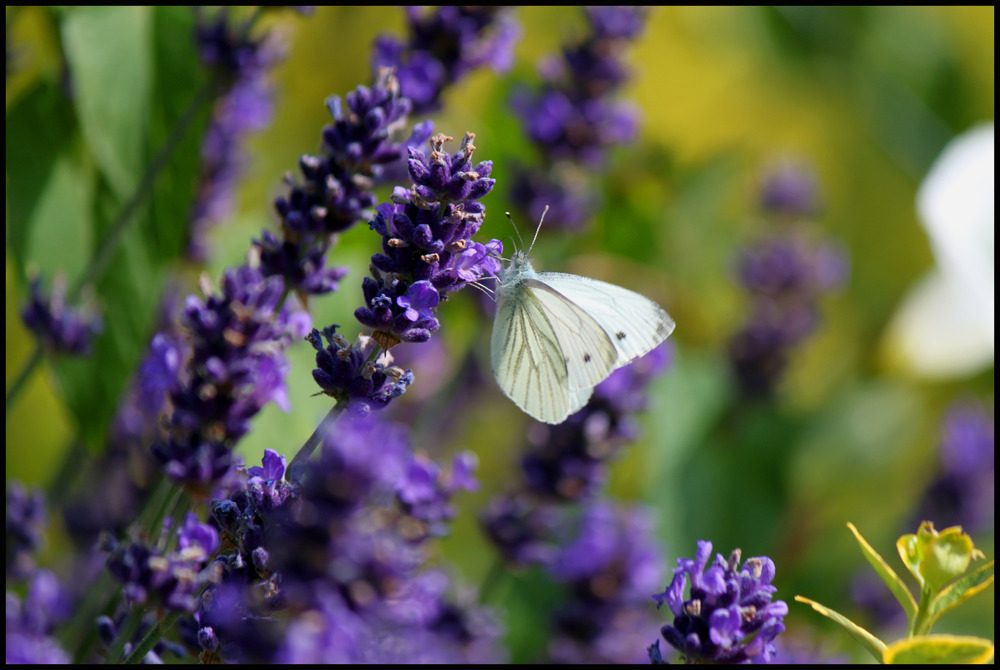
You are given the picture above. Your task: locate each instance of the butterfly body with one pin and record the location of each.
(556, 336)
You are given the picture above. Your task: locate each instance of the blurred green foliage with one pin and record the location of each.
(868, 96)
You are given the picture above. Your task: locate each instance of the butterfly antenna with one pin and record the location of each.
(511, 219)
(544, 211)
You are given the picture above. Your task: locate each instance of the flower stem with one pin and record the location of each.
(296, 469)
(152, 636)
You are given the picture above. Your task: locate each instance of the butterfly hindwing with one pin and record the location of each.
(587, 349)
(634, 323)
(527, 358)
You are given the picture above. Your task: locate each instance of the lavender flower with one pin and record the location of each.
(426, 490)
(337, 187)
(236, 366)
(963, 493)
(30, 622)
(59, 328)
(574, 117)
(785, 274)
(172, 580)
(444, 45)
(567, 461)
(729, 616)
(242, 109)
(609, 568)
(427, 237)
(353, 376)
(26, 521)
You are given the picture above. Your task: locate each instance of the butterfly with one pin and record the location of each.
(556, 336)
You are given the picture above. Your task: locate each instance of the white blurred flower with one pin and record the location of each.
(944, 326)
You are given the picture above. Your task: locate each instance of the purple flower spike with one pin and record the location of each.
(426, 240)
(574, 117)
(729, 615)
(359, 150)
(785, 273)
(443, 45)
(59, 328)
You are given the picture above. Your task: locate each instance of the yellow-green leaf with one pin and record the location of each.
(874, 645)
(887, 574)
(939, 649)
(961, 590)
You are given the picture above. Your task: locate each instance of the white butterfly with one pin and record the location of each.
(556, 336)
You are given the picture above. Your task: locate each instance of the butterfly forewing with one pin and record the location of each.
(527, 358)
(634, 323)
(589, 353)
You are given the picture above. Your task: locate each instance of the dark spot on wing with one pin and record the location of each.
(620, 335)
(586, 358)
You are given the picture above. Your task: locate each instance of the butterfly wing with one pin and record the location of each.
(587, 349)
(634, 323)
(527, 357)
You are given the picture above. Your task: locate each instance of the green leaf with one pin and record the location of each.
(874, 645)
(935, 558)
(110, 58)
(961, 590)
(49, 185)
(952, 649)
(887, 574)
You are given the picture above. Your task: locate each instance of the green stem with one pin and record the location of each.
(152, 636)
(15, 389)
(297, 467)
(492, 579)
(125, 633)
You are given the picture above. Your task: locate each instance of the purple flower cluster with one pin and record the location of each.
(172, 580)
(26, 521)
(574, 117)
(728, 616)
(341, 554)
(353, 375)
(785, 273)
(236, 365)
(609, 569)
(30, 622)
(427, 246)
(567, 462)
(337, 186)
(443, 45)
(59, 327)
(963, 493)
(243, 108)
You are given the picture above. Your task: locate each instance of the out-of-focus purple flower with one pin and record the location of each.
(243, 107)
(609, 567)
(345, 373)
(26, 521)
(963, 493)
(785, 274)
(442, 46)
(574, 118)
(426, 232)
(790, 190)
(59, 327)
(171, 580)
(568, 460)
(30, 623)
(237, 339)
(523, 530)
(426, 491)
(729, 615)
